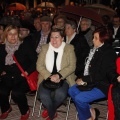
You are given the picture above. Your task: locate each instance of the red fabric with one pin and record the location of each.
(118, 65)
(110, 103)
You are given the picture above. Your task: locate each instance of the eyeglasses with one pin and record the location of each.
(84, 24)
(24, 30)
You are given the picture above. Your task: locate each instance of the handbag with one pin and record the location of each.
(31, 79)
(52, 85)
(89, 86)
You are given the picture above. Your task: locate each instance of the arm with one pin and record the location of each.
(68, 62)
(41, 67)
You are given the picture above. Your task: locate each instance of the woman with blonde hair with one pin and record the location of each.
(11, 79)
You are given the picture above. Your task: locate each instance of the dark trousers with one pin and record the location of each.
(53, 99)
(116, 101)
(18, 94)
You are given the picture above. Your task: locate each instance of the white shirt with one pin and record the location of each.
(115, 31)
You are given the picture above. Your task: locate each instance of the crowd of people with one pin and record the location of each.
(60, 52)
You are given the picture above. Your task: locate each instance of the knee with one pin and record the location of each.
(61, 96)
(16, 95)
(71, 92)
(43, 96)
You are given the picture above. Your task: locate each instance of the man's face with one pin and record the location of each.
(116, 22)
(24, 32)
(37, 24)
(84, 25)
(60, 23)
(46, 26)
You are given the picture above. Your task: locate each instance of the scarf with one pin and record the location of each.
(50, 57)
(10, 49)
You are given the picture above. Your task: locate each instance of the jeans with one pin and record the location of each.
(53, 99)
(82, 100)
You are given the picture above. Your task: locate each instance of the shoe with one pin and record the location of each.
(44, 113)
(5, 114)
(97, 113)
(26, 116)
(54, 116)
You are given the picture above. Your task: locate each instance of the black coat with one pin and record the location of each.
(25, 56)
(81, 50)
(102, 68)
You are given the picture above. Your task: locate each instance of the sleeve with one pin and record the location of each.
(70, 63)
(41, 67)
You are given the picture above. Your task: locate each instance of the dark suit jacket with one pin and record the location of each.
(81, 51)
(117, 36)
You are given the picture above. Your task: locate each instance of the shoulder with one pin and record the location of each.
(2, 47)
(45, 47)
(107, 50)
(69, 47)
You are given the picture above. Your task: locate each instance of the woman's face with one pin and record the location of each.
(60, 22)
(84, 25)
(56, 39)
(96, 40)
(12, 36)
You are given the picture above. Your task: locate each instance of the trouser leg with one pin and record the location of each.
(82, 100)
(52, 99)
(46, 99)
(19, 97)
(60, 95)
(4, 98)
(73, 91)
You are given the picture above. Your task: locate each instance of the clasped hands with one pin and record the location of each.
(55, 78)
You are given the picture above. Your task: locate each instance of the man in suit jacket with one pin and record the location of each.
(42, 37)
(116, 28)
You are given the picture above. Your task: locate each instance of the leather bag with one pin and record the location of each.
(52, 85)
(31, 79)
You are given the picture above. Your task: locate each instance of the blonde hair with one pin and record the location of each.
(7, 29)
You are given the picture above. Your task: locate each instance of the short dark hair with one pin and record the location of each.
(104, 33)
(61, 31)
(72, 23)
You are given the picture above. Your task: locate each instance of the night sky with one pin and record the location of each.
(56, 2)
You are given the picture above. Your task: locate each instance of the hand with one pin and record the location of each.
(3, 73)
(79, 81)
(118, 78)
(55, 78)
(25, 73)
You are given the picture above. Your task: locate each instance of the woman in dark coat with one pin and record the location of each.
(12, 80)
(100, 69)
